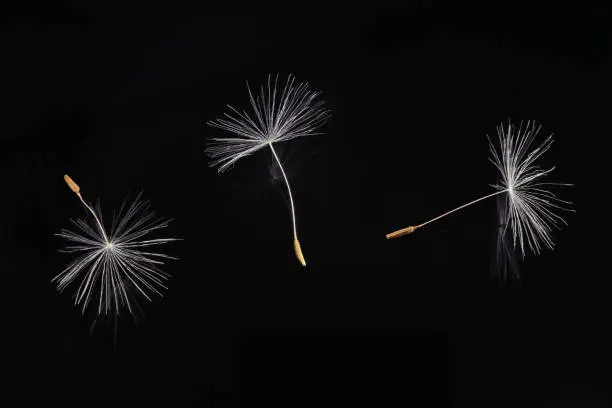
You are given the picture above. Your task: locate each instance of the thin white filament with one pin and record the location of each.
(288, 189)
(100, 227)
(461, 207)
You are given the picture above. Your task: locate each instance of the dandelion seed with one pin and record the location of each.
(113, 266)
(274, 118)
(530, 209)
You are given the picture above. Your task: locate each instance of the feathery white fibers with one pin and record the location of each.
(117, 265)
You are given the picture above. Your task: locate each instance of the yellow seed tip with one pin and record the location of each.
(402, 232)
(298, 252)
(73, 186)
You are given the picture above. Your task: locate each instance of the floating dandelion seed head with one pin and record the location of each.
(274, 118)
(277, 115)
(531, 209)
(117, 266)
(527, 210)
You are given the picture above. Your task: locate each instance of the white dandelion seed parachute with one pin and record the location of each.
(114, 267)
(531, 205)
(274, 118)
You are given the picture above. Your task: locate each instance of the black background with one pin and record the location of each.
(117, 96)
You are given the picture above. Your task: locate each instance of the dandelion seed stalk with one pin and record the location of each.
(412, 228)
(296, 242)
(77, 190)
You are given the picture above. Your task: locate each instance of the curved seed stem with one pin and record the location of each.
(296, 243)
(77, 190)
(412, 228)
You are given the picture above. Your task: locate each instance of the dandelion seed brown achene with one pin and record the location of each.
(298, 251)
(403, 231)
(73, 186)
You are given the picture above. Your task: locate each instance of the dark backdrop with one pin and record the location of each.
(118, 96)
